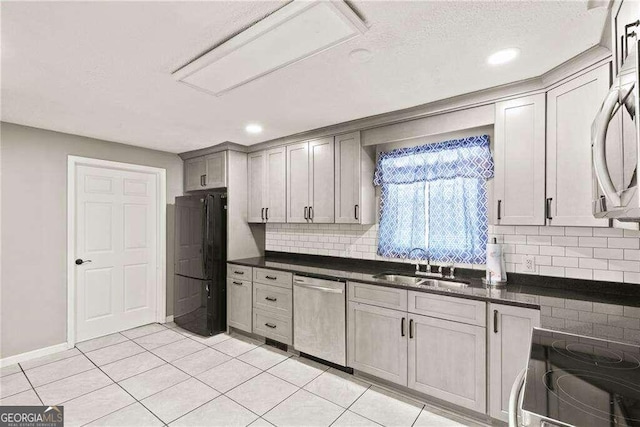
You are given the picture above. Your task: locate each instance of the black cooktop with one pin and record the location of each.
(582, 381)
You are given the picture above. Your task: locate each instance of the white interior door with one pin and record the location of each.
(116, 234)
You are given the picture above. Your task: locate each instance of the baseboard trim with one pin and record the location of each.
(34, 354)
(169, 319)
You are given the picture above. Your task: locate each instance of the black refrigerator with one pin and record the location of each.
(200, 268)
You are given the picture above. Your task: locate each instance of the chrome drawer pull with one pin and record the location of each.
(270, 325)
(271, 299)
(270, 277)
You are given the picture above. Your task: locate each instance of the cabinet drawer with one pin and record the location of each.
(448, 308)
(272, 326)
(273, 299)
(378, 295)
(283, 279)
(235, 271)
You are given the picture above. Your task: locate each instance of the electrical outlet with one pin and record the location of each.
(529, 263)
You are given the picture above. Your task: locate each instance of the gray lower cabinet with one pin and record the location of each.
(239, 304)
(377, 342)
(447, 360)
(509, 341)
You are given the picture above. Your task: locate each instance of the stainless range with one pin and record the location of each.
(572, 380)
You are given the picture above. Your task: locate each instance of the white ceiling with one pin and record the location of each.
(103, 69)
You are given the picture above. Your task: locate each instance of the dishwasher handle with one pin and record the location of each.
(317, 284)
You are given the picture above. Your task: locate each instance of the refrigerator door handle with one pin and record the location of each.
(205, 234)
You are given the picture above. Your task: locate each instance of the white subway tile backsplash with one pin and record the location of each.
(593, 242)
(604, 254)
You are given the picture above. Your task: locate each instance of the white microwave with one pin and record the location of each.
(615, 145)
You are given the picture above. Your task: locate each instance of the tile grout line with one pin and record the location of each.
(29, 381)
(125, 390)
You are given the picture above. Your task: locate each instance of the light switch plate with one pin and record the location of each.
(529, 263)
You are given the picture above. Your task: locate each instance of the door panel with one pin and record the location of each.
(116, 228)
(297, 182)
(347, 178)
(257, 189)
(509, 341)
(276, 185)
(519, 183)
(453, 369)
(376, 343)
(321, 192)
(571, 109)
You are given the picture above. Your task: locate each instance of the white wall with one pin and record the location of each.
(34, 235)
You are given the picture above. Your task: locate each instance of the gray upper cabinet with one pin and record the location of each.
(256, 198)
(310, 181)
(354, 190)
(571, 108)
(519, 183)
(447, 360)
(205, 172)
(267, 185)
(377, 341)
(509, 340)
(194, 174)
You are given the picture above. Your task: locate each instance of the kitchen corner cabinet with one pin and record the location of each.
(509, 340)
(354, 189)
(377, 341)
(206, 172)
(310, 181)
(519, 153)
(571, 108)
(267, 185)
(454, 369)
(239, 304)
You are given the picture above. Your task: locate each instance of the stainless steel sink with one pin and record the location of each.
(445, 284)
(402, 280)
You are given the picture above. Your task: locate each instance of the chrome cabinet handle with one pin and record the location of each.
(262, 214)
(271, 299)
(80, 261)
(355, 211)
(547, 208)
(306, 215)
(499, 210)
(266, 214)
(311, 212)
(270, 325)
(495, 321)
(402, 331)
(410, 328)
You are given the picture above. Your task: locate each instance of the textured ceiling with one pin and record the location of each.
(103, 69)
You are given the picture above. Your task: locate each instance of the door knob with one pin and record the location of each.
(80, 261)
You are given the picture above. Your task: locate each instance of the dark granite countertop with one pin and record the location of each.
(522, 290)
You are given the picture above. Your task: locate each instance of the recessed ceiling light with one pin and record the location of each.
(360, 56)
(253, 128)
(503, 56)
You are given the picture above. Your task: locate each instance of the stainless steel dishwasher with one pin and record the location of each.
(319, 318)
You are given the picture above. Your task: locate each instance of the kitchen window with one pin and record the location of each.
(434, 201)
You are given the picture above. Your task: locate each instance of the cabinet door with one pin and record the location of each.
(194, 174)
(509, 341)
(571, 108)
(520, 161)
(321, 191)
(297, 182)
(377, 342)
(276, 187)
(239, 304)
(447, 360)
(256, 174)
(216, 165)
(347, 178)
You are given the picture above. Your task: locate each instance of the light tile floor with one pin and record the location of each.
(160, 375)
